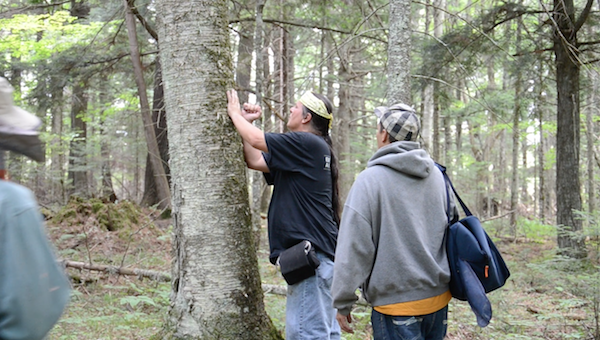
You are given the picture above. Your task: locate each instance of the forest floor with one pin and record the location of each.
(545, 298)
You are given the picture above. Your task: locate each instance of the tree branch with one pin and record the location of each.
(119, 57)
(589, 42)
(284, 22)
(142, 20)
(584, 16)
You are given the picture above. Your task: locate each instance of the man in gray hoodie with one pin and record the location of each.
(391, 237)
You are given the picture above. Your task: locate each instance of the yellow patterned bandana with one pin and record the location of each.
(316, 105)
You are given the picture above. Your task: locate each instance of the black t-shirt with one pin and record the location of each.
(301, 208)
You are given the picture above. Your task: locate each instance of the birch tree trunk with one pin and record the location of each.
(216, 288)
(398, 68)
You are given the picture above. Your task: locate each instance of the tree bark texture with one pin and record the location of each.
(398, 67)
(216, 288)
(568, 129)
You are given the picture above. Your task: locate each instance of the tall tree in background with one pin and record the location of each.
(162, 184)
(567, 62)
(398, 67)
(216, 288)
(77, 174)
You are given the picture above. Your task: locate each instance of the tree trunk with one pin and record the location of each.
(569, 240)
(159, 121)
(541, 154)
(106, 186)
(162, 185)
(514, 182)
(438, 32)
(343, 119)
(58, 157)
(216, 288)
(398, 68)
(77, 149)
(427, 103)
(246, 46)
(284, 88)
(590, 138)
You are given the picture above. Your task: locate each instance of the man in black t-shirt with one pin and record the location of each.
(304, 207)
(301, 209)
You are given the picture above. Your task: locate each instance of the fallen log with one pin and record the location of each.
(163, 277)
(151, 274)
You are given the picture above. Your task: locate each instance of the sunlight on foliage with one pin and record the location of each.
(33, 38)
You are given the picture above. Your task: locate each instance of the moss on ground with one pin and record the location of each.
(107, 215)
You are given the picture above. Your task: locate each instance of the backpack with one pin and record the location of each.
(34, 289)
(476, 266)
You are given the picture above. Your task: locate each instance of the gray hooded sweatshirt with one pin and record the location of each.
(391, 239)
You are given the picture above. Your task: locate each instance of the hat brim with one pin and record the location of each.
(380, 110)
(27, 145)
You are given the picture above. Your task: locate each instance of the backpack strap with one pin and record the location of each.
(449, 182)
(443, 170)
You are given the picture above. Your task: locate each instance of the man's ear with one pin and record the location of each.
(385, 136)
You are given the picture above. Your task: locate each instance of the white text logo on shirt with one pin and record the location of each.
(327, 163)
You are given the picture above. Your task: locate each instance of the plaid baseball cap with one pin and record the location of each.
(400, 121)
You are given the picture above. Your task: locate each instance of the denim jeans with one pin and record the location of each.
(309, 308)
(425, 327)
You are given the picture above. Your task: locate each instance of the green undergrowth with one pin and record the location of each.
(125, 310)
(546, 297)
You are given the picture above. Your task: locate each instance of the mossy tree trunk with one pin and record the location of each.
(216, 288)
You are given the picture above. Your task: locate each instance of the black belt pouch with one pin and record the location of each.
(298, 262)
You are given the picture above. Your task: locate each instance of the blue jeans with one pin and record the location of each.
(309, 307)
(425, 327)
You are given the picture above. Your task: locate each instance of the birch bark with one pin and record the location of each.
(216, 289)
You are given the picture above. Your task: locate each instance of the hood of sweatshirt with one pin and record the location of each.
(405, 157)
